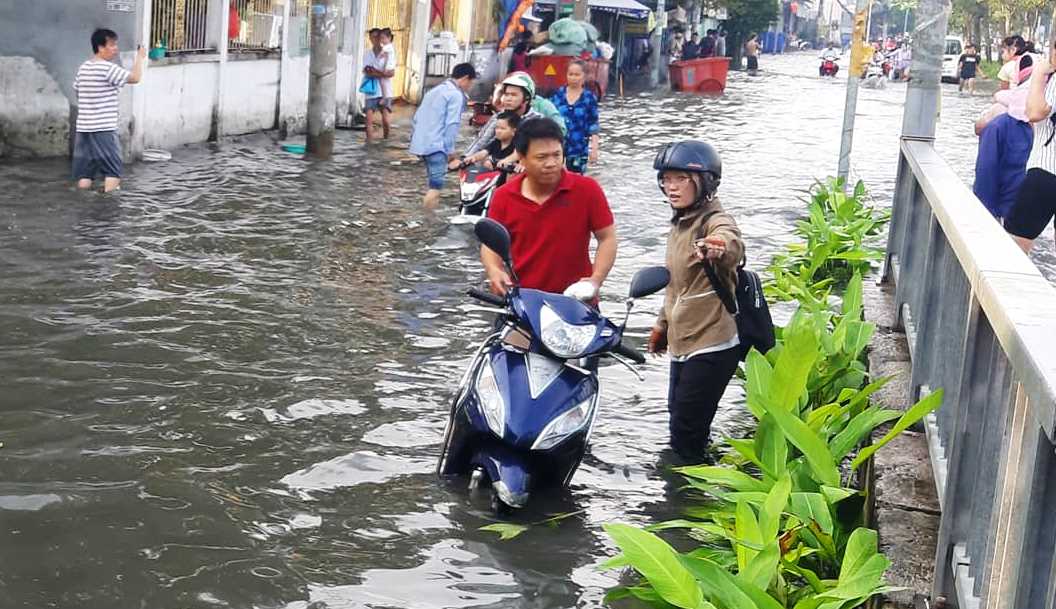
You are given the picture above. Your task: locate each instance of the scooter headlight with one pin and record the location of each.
(469, 190)
(562, 338)
(489, 396)
(565, 425)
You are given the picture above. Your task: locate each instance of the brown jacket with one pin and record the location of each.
(693, 314)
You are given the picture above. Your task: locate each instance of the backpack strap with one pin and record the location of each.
(721, 290)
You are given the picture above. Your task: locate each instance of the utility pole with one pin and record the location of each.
(657, 41)
(861, 54)
(322, 83)
(925, 91)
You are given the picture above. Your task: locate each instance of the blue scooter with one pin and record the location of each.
(523, 414)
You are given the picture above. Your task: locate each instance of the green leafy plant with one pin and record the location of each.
(837, 235)
(509, 530)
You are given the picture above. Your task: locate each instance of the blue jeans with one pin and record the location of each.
(436, 169)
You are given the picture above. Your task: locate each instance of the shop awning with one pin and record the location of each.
(626, 8)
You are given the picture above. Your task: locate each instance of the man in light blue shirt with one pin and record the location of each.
(436, 126)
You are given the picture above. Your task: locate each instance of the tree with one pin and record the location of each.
(746, 17)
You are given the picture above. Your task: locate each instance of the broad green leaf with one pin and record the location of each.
(793, 367)
(852, 298)
(810, 576)
(723, 557)
(649, 596)
(914, 414)
(681, 524)
(725, 476)
(505, 530)
(862, 396)
(757, 387)
(774, 507)
(771, 447)
(657, 562)
(861, 547)
(835, 495)
(616, 562)
(859, 429)
(762, 568)
(720, 587)
(746, 449)
(864, 582)
(812, 507)
(747, 530)
(811, 445)
(752, 498)
(859, 333)
(820, 417)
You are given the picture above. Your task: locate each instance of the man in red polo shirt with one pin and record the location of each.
(550, 214)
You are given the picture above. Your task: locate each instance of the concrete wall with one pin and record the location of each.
(179, 104)
(31, 126)
(251, 92)
(41, 46)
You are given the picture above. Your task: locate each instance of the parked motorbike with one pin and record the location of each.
(476, 185)
(521, 420)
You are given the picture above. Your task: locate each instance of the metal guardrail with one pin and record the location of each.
(981, 323)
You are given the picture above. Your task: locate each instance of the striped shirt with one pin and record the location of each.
(1043, 156)
(97, 85)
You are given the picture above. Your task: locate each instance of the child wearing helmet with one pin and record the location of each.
(694, 325)
(516, 94)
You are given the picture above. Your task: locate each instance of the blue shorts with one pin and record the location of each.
(436, 169)
(97, 155)
(379, 103)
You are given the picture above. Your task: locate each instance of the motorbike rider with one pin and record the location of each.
(694, 325)
(518, 96)
(829, 53)
(550, 213)
(501, 150)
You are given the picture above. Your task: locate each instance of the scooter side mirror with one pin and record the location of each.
(495, 237)
(649, 280)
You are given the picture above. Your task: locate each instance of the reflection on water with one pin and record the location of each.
(225, 386)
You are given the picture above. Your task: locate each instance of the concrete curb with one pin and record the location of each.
(903, 504)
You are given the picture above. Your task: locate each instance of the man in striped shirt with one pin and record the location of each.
(1035, 204)
(96, 149)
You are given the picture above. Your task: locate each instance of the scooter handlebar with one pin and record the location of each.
(629, 353)
(487, 297)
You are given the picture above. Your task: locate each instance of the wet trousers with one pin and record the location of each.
(694, 390)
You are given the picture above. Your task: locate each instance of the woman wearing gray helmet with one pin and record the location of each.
(694, 325)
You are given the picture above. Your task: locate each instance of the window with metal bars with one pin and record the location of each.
(254, 25)
(180, 26)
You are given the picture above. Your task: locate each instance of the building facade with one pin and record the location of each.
(219, 67)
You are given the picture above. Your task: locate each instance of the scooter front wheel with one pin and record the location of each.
(498, 506)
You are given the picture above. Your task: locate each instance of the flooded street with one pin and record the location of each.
(226, 386)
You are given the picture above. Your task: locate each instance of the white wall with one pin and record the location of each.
(293, 110)
(251, 90)
(178, 104)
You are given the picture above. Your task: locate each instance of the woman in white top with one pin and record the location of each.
(1035, 205)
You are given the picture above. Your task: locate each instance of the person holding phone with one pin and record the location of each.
(96, 147)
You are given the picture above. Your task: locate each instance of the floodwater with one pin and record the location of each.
(225, 387)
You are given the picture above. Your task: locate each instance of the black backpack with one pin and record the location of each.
(748, 307)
